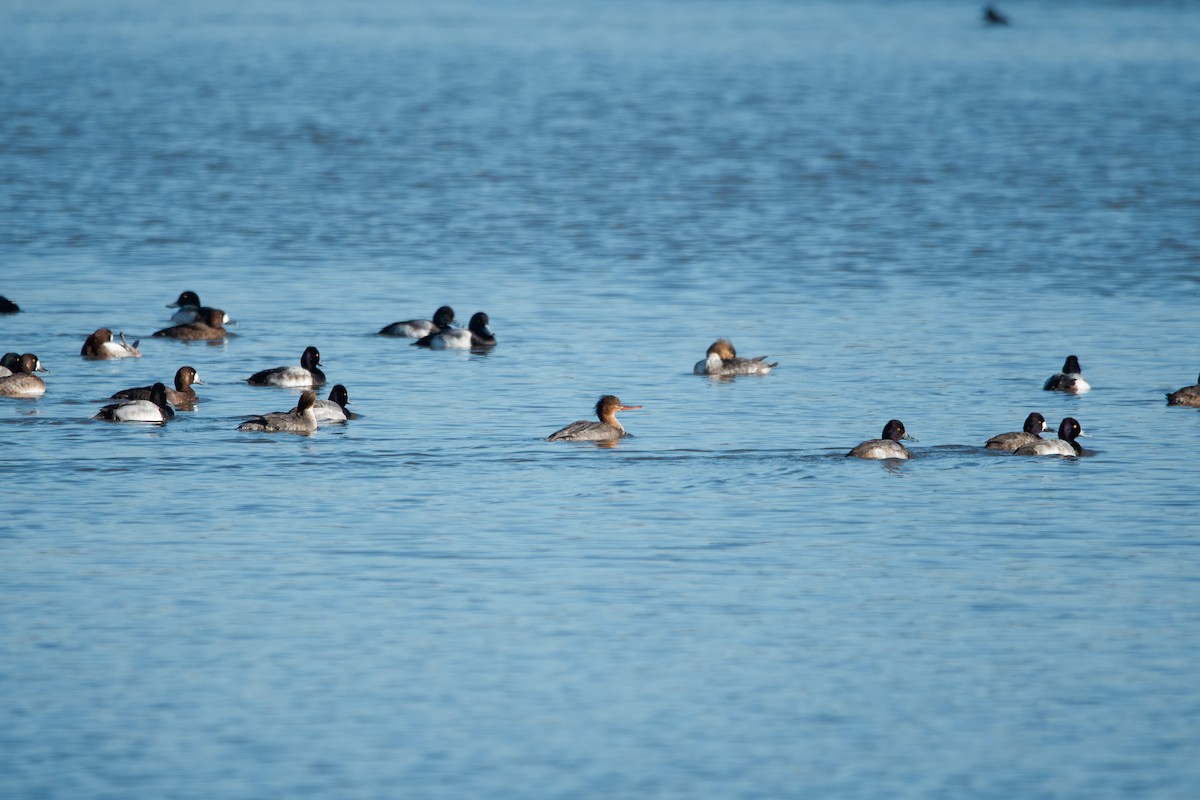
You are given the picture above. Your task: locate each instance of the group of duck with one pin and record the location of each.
(1027, 441)
(196, 322)
(722, 360)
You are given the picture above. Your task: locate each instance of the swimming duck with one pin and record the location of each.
(206, 326)
(8, 363)
(1069, 380)
(1035, 424)
(22, 382)
(607, 429)
(154, 409)
(334, 409)
(722, 359)
(887, 447)
(991, 16)
(443, 318)
(190, 309)
(299, 420)
(182, 395)
(101, 345)
(1064, 445)
(1187, 396)
(307, 374)
(8, 306)
(477, 334)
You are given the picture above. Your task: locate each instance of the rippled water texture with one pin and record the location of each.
(919, 217)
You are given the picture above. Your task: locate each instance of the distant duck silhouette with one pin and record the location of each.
(8, 306)
(993, 17)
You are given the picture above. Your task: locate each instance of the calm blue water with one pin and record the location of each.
(916, 216)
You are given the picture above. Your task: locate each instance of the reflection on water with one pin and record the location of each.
(914, 214)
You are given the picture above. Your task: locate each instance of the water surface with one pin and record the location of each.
(917, 216)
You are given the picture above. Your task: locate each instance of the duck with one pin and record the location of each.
(190, 309)
(307, 374)
(722, 360)
(154, 409)
(8, 363)
(475, 335)
(100, 345)
(443, 318)
(992, 16)
(1187, 396)
(22, 382)
(300, 419)
(887, 447)
(8, 306)
(334, 409)
(206, 326)
(607, 429)
(1064, 445)
(1035, 424)
(182, 395)
(1069, 380)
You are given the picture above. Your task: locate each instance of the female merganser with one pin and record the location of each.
(1035, 424)
(22, 382)
(1064, 445)
(334, 409)
(182, 395)
(190, 309)
(299, 420)
(607, 429)
(443, 318)
(723, 360)
(306, 374)
(475, 335)
(887, 447)
(101, 345)
(1187, 396)
(206, 327)
(1069, 380)
(155, 409)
